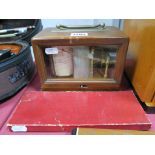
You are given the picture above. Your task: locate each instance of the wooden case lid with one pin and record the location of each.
(54, 33)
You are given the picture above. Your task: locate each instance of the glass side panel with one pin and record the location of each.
(81, 62)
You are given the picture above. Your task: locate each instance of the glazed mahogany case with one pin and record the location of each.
(80, 58)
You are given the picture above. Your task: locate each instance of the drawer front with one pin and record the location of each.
(79, 86)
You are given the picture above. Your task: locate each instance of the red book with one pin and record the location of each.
(63, 111)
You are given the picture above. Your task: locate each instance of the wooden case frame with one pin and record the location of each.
(48, 84)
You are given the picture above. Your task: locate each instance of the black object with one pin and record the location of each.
(16, 72)
(4, 54)
(12, 27)
(16, 69)
(74, 131)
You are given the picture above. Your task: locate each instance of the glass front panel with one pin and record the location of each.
(81, 62)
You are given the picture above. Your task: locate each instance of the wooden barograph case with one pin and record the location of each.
(80, 58)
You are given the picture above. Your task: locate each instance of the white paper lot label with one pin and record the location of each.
(78, 34)
(19, 128)
(52, 50)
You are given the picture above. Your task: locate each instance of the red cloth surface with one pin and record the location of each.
(8, 106)
(63, 111)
